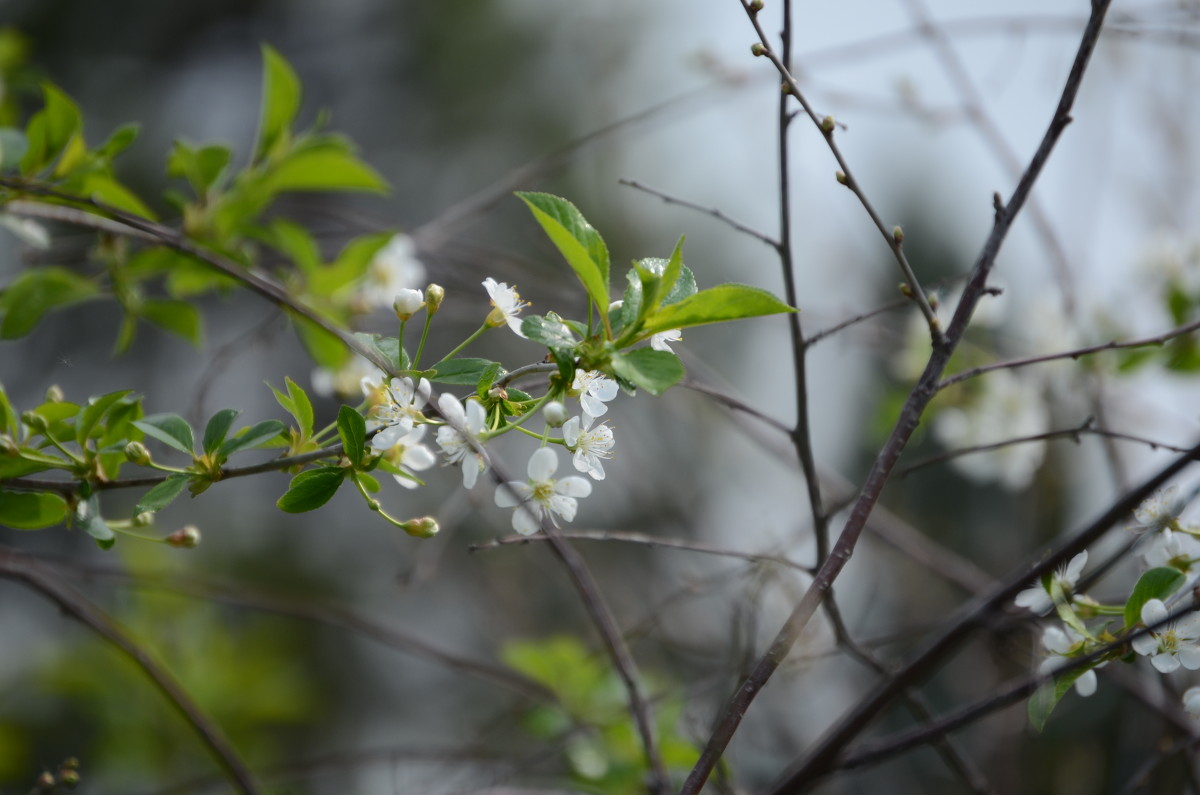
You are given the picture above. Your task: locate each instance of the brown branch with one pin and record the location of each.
(914, 407)
(714, 212)
(21, 568)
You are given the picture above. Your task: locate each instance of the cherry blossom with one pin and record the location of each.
(542, 494)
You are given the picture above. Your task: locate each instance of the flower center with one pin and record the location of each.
(543, 491)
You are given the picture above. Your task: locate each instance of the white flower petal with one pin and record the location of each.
(512, 493)
(1164, 663)
(563, 506)
(1189, 656)
(570, 430)
(1085, 685)
(1145, 644)
(1154, 612)
(527, 519)
(543, 464)
(451, 409)
(573, 486)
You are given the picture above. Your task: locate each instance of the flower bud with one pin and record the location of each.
(68, 778)
(408, 302)
(36, 422)
(756, 5)
(46, 782)
(756, 49)
(136, 453)
(897, 234)
(144, 519)
(840, 176)
(555, 413)
(828, 125)
(54, 394)
(498, 393)
(434, 295)
(8, 445)
(425, 527)
(374, 505)
(185, 537)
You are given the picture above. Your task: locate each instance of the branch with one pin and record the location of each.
(18, 567)
(714, 212)
(910, 415)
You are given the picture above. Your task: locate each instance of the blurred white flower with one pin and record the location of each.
(458, 448)
(1037, 597)
(399, 413)
(1177, 550)
(347, 380)
(595, 389)
(589, 444)
(1158, 512)
(407, 303)
(1011, 407)
(411, 455)
(1191, 701)
(395, 267)
(659, 341)
(1172, 644)
(1062, 642)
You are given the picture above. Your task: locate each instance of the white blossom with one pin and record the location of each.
(1191, 701)
(411, 455)
(589, 444)
(659, 341)
(394, 267)
(399, 412)
(458, 448)
(595, 389)
(1037, 598)
(407, 303)
(507, 303)
(1177, 550)
(542, 494)
(1062, 642)
(1012, 407)
(1159, 512)
(1172, 644)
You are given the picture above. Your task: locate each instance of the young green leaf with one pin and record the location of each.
(460, 372)
(1046, 697)
(352, 429)
(178, 317)
(280, 102)
(302, 407)
(170, 429)
(162, 494)
(218, 428)
(201, 166)
(714, 305)
(256, 435)
(1157, 583)
(93, 412)
(30, 510)
(549, 331)
(89, 519)
(576, 239)
(34, 293)
(327, 168)
(311, 489)
(648, 369)
(684, 287)
(8, 415)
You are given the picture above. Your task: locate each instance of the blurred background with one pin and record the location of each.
(341, 656)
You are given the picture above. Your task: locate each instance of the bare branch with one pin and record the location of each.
(715, 213)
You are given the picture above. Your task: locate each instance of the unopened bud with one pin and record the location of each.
(144, 519)
(70, 763)
(840, 176)
(46, 782)
(905, 290)
(756, 5)
(373, 504)
(434, 295)
(54, 394)
(68, 778)
(425, 527)
(828, 125)
(498, 393)
(785, 87)
(8, 445)
(185, 537)
(897, 234)
(757, 50)
(408, 302)
(35, 421)
(136, 453)
(555, 413)
(934, 300)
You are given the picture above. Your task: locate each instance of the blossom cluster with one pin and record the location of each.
(1164, 628)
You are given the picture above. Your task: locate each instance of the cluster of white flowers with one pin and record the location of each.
(398, 425)
(1169, 644)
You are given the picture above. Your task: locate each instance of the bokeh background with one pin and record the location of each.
(343, 657)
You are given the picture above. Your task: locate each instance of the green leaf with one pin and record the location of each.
(162, 494)
(24, 510)
(576, 239)
(120, 140)
(177, 317)
(93, 412)
(1157, 583)
(323, 169)
(311, 489)
(50, 129)
(303, 410)
(13, 146)
(256, 435)
(170, 429)
(104, 187)
(201, 167)
(88, 519)
(280, 102)
(714, 305)
(34, 293)
(9, 419)
(352, 428)
(486, 379)
(460, 372)
(326, 349)
(550, 331)
(218, 428)
(387, 347)
(651, 370)
(295, 242)
(684, 287)
(1046, 697)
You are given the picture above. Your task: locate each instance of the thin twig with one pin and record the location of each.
(714, 212)
(1114, 345)
(910, 415)
(21, 568)
(647, 540)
